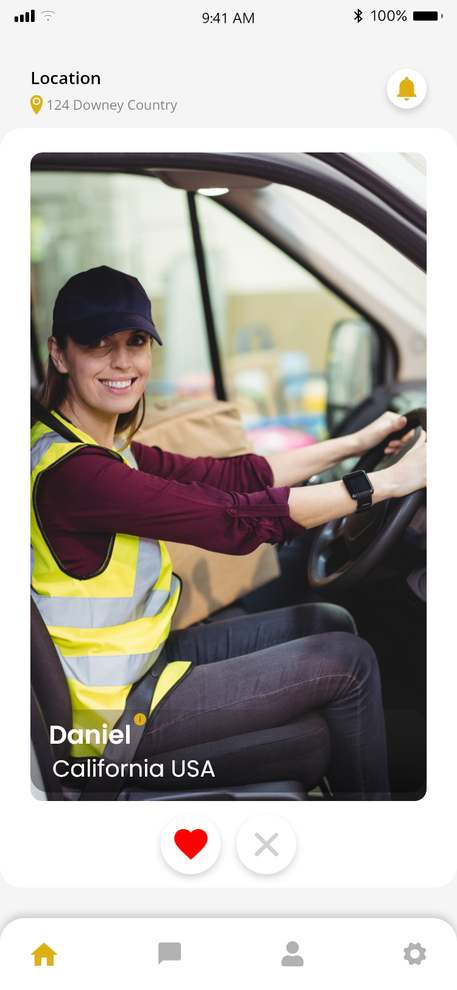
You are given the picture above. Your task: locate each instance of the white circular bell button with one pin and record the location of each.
(266, 844)
(406, 89)
(190, 844)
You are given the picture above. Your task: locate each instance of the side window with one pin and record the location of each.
(274, 322)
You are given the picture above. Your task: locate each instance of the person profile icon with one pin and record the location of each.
(292, 959)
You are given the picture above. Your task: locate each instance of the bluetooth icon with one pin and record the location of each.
(358, 14)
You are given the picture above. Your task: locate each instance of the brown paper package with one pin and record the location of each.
(210, 581)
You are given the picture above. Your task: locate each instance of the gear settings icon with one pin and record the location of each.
(414, 953)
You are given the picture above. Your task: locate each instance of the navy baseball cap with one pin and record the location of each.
(99, 302)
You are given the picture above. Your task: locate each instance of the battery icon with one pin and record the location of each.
(425, 15)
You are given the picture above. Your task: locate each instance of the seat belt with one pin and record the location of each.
(138, 702)
(46, 417)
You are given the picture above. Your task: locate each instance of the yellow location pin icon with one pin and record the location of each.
(36, 103)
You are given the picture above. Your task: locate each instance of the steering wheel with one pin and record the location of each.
(345, 550)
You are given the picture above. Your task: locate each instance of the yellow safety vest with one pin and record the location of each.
(108, 628)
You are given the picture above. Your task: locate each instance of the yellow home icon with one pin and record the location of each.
(406, 88)
(44, 952)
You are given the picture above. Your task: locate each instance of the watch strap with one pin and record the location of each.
(364, 502)
(364, 499)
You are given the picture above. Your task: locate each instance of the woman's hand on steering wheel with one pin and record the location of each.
(409, 473)
(345, 550)
(373, 434)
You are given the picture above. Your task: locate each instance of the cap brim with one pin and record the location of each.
(93, 328)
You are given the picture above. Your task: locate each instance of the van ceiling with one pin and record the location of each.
(404, 230)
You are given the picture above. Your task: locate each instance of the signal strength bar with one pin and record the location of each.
(25, 18)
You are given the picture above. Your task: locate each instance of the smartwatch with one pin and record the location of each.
(359, 486)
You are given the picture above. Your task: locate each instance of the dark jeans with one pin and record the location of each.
(260, 671)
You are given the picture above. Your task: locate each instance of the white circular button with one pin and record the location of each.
(406, 89)
(266, 844)
(190, 844)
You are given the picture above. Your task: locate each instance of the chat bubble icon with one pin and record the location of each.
(169, 952)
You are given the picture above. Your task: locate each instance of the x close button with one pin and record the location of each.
(266, 844)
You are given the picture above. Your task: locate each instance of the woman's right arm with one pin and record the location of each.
(242, 473)
(317, 504)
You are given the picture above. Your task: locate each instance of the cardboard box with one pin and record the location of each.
(210, 580)
(195, 427)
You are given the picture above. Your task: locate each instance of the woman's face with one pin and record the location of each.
(109, 376)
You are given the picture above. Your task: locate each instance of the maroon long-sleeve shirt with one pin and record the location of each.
(223, 504)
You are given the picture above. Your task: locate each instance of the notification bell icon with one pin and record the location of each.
(406, 89)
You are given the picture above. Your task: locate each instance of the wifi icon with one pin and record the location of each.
(48, 14)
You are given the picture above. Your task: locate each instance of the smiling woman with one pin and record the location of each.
(99, 383)
(104, 380)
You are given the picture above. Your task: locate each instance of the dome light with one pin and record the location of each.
(212, 192)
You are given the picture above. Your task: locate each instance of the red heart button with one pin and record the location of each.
(191, 843)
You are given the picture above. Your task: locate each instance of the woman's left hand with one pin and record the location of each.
(378, 431)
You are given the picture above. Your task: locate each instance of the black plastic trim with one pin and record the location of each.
(361, 174)
(206, 298)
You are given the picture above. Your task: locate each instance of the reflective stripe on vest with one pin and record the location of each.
(109, 627)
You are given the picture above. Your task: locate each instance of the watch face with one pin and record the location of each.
(359, 483)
